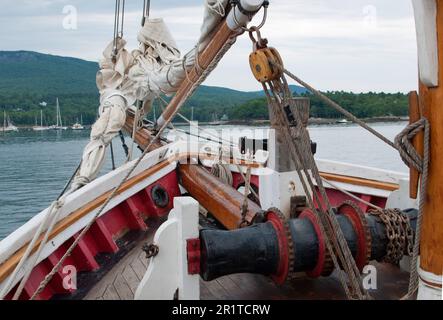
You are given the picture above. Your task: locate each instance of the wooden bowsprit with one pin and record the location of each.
(226, 34)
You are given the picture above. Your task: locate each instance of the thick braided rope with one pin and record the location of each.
(305, 166)
(407, 152)
(326, 214)
(336, 106)
(411, 158)
(50, 218)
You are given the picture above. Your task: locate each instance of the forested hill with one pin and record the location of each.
(29, 78)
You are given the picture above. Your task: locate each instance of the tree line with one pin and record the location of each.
(25, 107)
(363, 105)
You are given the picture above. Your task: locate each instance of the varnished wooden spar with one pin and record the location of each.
(415, 115)
(205, 58)
(142, 136)
(222, 36)
(223, 201)
(431, 100)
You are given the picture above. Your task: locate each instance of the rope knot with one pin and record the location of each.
(403, 142)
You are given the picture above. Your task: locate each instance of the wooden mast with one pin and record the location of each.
(430, 47)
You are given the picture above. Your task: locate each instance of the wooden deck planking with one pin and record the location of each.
(110, 293)
(122, 288)
(131, 278)
(138, 268)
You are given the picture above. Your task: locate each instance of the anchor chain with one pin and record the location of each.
(399, 233)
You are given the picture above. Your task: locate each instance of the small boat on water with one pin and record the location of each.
(78, 125)
(40, 127)
(258, 219)
(8, 126)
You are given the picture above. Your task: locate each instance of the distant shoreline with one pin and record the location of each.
(312, 121)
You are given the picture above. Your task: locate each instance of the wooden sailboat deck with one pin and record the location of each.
(121, 282)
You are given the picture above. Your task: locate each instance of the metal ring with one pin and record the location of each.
(265, 16)
(160, 196)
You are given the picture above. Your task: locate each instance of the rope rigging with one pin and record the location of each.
(119, 21)
(335, 105)
(298, 141)
(411, 158)
(124, 146)
(50, 220)
(146, 11)
(409, 155)
(399, 231)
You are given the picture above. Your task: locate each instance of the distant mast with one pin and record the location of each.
(41, 127)
(8, 126)
(59, 116)
(59, 125)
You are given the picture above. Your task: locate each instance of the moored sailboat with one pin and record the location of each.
(78, 125)
(59, 124)
(40, 127)
(8, 126)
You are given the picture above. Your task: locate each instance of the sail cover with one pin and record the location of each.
(155, 68)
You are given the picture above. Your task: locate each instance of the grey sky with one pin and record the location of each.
(358, 45)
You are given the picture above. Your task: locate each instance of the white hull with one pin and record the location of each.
(41, 128)
(77, 127)
(9, 129)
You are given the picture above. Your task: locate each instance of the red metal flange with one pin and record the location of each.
(322, 252)
(286, 253)
(194, 255)
(358, 220)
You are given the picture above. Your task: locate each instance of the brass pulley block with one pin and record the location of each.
(261, 57)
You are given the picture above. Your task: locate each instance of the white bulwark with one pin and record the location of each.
(167, 273)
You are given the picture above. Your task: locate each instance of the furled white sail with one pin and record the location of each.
(144, 74)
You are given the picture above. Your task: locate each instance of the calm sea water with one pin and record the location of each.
(34, 166)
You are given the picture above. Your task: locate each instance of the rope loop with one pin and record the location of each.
(403, 141)
(217, 7)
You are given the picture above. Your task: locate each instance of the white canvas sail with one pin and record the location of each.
(144, 74)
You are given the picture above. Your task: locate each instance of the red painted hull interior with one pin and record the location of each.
(130, 215)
